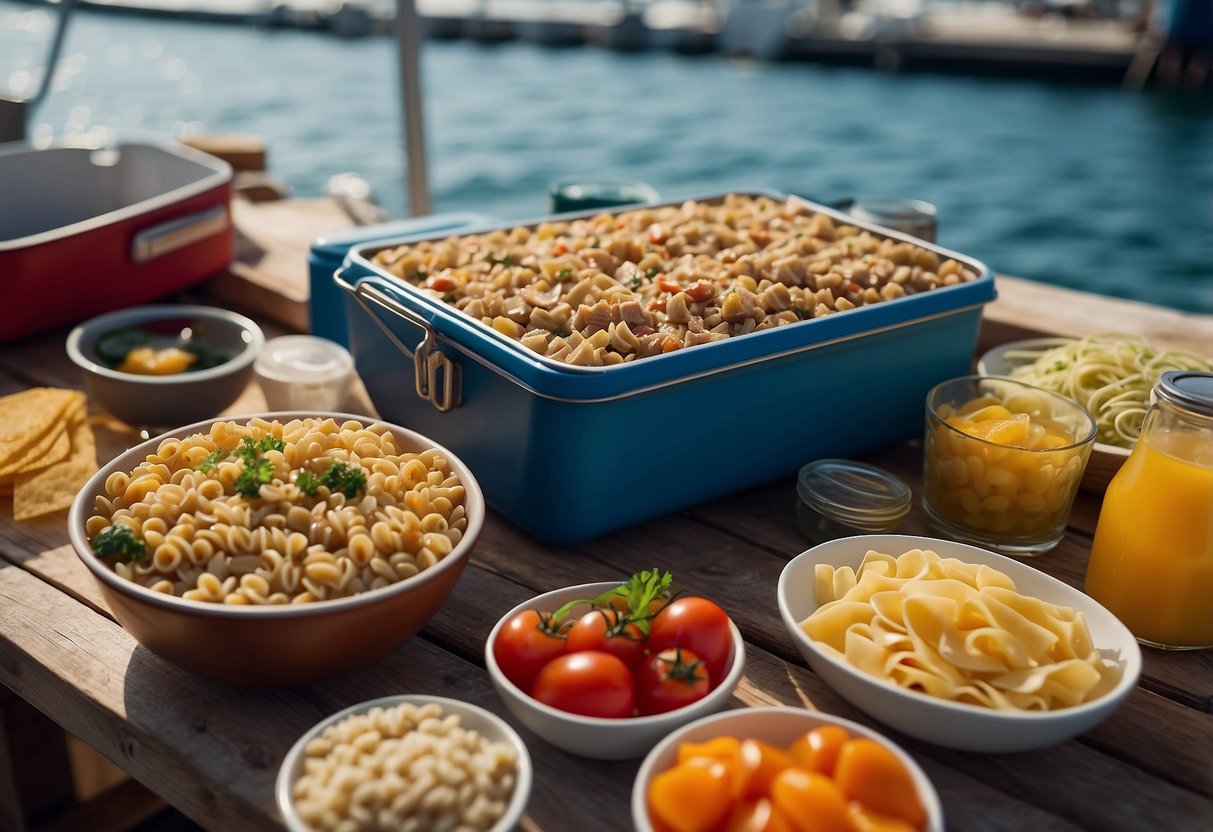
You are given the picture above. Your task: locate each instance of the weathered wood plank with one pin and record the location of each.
(746, 589)
(208, 749)
(1025, 309)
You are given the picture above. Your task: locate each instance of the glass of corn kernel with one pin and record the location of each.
(1002, 462)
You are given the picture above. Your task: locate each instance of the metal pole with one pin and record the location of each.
(408, 43)
(14, 112)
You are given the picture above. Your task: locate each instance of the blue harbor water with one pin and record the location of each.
(1079, 185)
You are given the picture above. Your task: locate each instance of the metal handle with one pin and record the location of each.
(436, 377)
(174, 234)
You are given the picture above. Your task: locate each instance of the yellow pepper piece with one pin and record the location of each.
(152, 362)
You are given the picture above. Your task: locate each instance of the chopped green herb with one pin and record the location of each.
(730, 223)
(634, 283)
(307, 483)
(250, 449)
(258, 473)
(420, 274)
(340, 477)
(559, 333)
(803, 313)
(118, 540)
(449, 298)
(212, 459)
(564, 274)
(652, 272)
(507, 260)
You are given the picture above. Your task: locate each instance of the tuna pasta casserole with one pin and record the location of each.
(617, 287)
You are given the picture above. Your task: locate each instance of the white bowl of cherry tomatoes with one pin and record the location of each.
(606, 670)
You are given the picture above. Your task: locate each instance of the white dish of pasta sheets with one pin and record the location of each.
(965, 624)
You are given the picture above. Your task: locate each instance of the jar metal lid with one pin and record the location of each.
(1191, 389)
(854, 493)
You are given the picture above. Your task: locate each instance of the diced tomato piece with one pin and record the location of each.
(665, 283)
(559, 249)
(701, 290)
(440, 283)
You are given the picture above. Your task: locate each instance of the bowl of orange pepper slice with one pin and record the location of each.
(781, 770)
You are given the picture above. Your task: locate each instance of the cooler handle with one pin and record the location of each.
(179, 233)
(436, 377)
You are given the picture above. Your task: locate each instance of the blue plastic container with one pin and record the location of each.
(326, 306)
(569, 453)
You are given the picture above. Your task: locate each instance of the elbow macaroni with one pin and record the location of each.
(617, 287)
(956, 631)
(206, 542)
(404, 768)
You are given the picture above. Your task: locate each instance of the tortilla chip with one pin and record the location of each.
(53, 447)
(26, 419)
(53, 488)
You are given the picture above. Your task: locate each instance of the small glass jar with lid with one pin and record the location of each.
(843, 497)
(1152, 558)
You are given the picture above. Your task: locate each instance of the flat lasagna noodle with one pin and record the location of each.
(956, 631)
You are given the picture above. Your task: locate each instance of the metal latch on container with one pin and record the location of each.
(435, 376)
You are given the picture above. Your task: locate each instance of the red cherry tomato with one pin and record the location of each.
(670, 679)
(524, 645)
(698, 625)
(606, 630)
(590, 683)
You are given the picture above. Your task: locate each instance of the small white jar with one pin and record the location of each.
(304, 372)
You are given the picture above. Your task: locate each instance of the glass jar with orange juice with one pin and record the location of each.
(1152, 558)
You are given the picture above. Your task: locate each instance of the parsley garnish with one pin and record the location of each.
(420, 274)
(258, 471)
(307, 482)
(803, 313)
(559, 333)
(340, 477)
(250, 449)
(564, 274)
(449, 298)
(254, 475)
(634, 283)
(507, 260)
(118, 540)
(652, 272)
(212, 459)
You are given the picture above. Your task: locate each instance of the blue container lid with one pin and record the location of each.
(336, 245)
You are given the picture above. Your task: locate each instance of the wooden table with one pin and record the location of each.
(213, 751)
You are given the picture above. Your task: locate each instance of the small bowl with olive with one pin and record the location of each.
(165, 365)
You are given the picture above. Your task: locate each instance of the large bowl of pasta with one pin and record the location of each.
(281, 548)
(954, 644)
